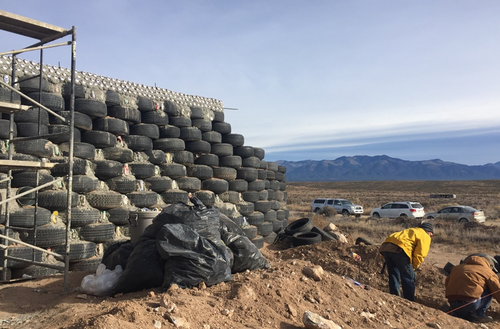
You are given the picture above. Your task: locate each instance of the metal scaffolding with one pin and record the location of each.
(46, 34)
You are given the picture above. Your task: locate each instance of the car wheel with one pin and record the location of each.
(430, 217)
(317, 211)
(403, 215)
(376, 215)
(463, 220)
(357, 215)
(345, 213)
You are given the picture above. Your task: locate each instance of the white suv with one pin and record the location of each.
(341, 206)
(399, 209)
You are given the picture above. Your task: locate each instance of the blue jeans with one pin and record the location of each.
(471, 310)
(400, 270)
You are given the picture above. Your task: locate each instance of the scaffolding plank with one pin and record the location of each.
(27, 27)
(6, 107)
(26, 164)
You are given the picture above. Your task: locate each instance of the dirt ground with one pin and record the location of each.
(272, 298)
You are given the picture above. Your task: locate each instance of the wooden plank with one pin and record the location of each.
(6, 107)
(28, 27)
(26, 164)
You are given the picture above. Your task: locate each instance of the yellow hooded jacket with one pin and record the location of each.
(414, 241)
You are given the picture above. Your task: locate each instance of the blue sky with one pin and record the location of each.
(414, 80)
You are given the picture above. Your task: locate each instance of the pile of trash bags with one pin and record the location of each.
(185, 245)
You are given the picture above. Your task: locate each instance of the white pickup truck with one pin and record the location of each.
(341, 206)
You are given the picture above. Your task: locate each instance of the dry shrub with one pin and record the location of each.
(328, 212)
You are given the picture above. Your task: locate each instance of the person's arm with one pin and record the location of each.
(493, 285)
(421, 249)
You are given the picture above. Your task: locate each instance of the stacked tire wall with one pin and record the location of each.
(136, 148)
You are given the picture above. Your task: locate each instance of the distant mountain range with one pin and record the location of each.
(374, 168)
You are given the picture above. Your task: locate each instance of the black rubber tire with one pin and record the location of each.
(248, 174)
(25, 217)
(258, 241)
(305, 238)
(120, 154)
(159, 118)
(20, 252)
(190, 134)
(189, 184)
(200, 171)
(4, 129)
(62, 169)
(238, 185)
(125, 113)
(119, 216)
(56, 200)
(245, 208)
(65, 130)
(183, 157)
(174, 196)
(169, 131)
(79, 91)
(255, 218)
(28, 178)
(262, 206)
(196, 112)
(233, 139)
(274, 185)
(198, 147)
(231, 161)
(104, 200)
(100, 139)
(91, 107)
(215, 185)
(145, 129)
(376, 215)
(144, 104)
(207, 159)
(256, 185)
(273, 166)
(84, 184)
(42, 148)
(238, 220)
(46, 236)
(299, 226)
(78, 250)
(203, 125)
(250, 196)
(263, 165)
(171, 108)
(112, 98)
(251, 162)
(117, 127)
(270, 216)
(55, 102)
(180, 122)
(142, 170)
(82, 121)
(226, 173)
(82, 216)
(173, 170)
(122, 184)
(229, 196)
(361, 240)
(270, 175)
(105, 169)
(325, 236)
(223, 128)
(158, 183)
(206, 197)
(218, 116)
(37, 271)
(143, 199)
(87, 265)
(264, 195)
(250, 231)
(265, 228)
(259, 152)
(156, 157)
(31, 129)
(169, 144)
(212, 137)
(31, 115)
(280, 214)
(244, 151)
(222, 149)
(32, 84)
(80, 150)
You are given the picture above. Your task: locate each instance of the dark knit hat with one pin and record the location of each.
(427, 227)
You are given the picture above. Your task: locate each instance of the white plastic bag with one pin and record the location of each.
(101, 283)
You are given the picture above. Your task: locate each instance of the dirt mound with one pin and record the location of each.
(273, 298)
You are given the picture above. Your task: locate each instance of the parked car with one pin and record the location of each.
(399, 209)
(461, 214)
(341, 206)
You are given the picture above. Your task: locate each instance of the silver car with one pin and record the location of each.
(461, 214)
(399, 209)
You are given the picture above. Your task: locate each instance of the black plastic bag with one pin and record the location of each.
(191, 258)
(117, 254)
(145, 269)
(245, 255)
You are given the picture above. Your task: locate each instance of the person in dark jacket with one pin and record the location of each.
(470, 288)
(404, 252)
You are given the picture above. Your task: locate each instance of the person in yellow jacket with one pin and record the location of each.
(404, 252)
(470, 288)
